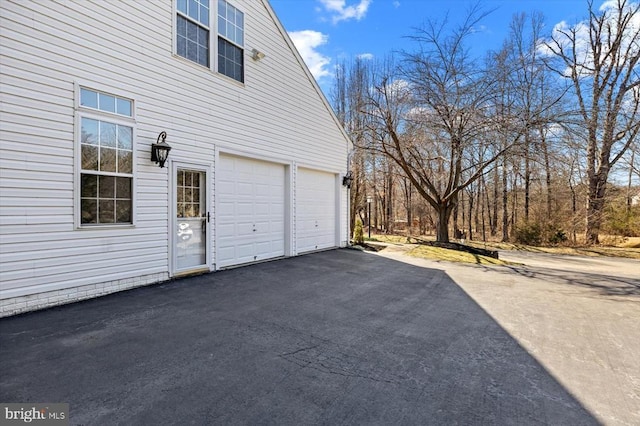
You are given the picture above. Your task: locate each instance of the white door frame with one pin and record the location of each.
(201, 167)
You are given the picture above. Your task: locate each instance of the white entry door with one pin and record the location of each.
(191, 219)
(315, 210)
(250, 210)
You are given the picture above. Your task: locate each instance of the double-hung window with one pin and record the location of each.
(196, 19)
(193, 30)
(230, 41)
(106, 158)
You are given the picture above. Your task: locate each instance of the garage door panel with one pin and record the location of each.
(315, 210)
(254, 228)
(262, 208)
(243, 189)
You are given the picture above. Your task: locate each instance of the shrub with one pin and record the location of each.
(529, 233)
(557, 236)
(358, 233)
(536, 234)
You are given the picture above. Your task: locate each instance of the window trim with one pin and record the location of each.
(213, 41)
(96, 114)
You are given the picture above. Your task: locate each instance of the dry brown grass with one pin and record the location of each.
(617, 247)
(437, 253)
(627, 251)
(384, 238)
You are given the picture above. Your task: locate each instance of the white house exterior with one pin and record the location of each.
(254, 173)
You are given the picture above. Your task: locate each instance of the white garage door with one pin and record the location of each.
(315, 210)
(251, 210)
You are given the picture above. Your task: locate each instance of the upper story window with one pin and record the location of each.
(193, 30)
(230, 41)
(195, 21)
(106, 159)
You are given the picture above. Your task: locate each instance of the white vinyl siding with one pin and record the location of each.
(48, 48)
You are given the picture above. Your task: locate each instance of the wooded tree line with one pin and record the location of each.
(536, 141)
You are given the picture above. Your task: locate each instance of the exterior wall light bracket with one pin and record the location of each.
(347, 179)
(160, 150)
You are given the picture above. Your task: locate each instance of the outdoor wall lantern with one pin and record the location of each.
(347, 179)
(160, 150)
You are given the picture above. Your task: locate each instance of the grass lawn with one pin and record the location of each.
(629, 248)
(437, 253)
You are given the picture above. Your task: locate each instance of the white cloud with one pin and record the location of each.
(365, 56)
(481, 29)
(583, 51)
(342, 12)
(400, 87)
(397, 89)
(396, 4)
(307, 41)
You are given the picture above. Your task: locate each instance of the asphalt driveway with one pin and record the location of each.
(339, 337)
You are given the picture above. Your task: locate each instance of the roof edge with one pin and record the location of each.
(313, 81)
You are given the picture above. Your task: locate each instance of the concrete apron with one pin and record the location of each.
(579, 317)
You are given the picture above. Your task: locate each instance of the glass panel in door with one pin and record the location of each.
(191, 221)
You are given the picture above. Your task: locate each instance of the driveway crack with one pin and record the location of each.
(298, 351)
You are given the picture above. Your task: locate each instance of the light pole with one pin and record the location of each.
(369, 200)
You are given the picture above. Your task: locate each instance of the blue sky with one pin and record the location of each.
(328, 31)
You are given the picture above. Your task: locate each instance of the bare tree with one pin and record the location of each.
(600, 59)
(432, 115)
(348, 97)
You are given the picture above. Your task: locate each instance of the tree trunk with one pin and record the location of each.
(631, 162)
(389, 198)
(496, 183)
(483, 205)
(574, 210)
(595, 206)
(407, 203)
(470, 213)
(456, 231)
(527, 179)
(514, 207)
(547, 171)
(492, 224)
(505, 204)
(442, 227)
(464, 225)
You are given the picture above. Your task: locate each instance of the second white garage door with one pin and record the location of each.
(251, 210)
(315, 210)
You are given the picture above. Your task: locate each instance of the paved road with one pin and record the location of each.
(578, 316)
(339, 337)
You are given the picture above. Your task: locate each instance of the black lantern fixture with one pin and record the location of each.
(160, 150)
(347, 179)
